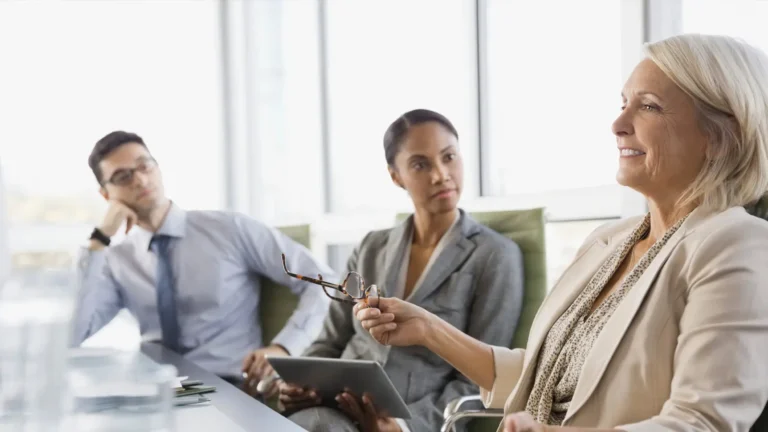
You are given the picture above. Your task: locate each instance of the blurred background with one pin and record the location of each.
(276, 108)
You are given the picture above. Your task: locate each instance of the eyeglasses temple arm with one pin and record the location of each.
(320, 281)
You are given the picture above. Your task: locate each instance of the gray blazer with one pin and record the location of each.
(476, 285)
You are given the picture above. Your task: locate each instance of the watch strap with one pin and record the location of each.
(99, 236)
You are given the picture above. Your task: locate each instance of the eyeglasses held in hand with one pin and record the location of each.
(353, 287)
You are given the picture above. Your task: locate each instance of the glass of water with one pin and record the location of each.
(119, 392)
(36, 310)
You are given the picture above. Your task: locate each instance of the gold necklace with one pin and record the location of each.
(632, 259)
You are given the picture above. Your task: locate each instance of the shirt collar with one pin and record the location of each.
(174, 225)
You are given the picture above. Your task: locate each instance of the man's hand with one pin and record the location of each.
(363, 412)
(257, 368)
(117, 214)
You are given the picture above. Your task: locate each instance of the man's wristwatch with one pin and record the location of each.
(99, 236)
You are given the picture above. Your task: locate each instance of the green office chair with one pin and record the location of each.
(277, 302)
(760, 209)
(526, 228)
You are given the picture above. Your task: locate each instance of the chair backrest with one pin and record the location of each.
(761, 425)
(526, 228)
(278, 302)
(760, 209)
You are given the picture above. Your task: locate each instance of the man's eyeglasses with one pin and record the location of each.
(124, 176)
(353, 287)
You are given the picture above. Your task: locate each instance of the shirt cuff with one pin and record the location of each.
(89, 259)
(90, 266)
(295, 340)
(403, 425)
(508, 365)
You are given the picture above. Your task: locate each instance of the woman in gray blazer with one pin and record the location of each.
(440, 259)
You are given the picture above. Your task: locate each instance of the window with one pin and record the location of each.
(553, 90)
(386, 57)
(563, 239)
(743, 19)
(83, 69)
(338, 255)
(283, 76)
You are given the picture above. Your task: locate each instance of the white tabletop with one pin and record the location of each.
(230, 408)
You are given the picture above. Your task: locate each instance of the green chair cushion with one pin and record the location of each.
(278, 302)
(526, 228)
(759, 208)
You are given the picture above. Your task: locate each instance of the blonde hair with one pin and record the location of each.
(728, 81)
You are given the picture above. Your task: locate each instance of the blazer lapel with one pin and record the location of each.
(562, 295)
(394, 253)
(396, 244)
(449, 260)
(452, 257)
(613, 332)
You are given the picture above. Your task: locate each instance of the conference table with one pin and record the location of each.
(230, 409)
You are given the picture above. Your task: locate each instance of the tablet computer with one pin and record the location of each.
(329, 377)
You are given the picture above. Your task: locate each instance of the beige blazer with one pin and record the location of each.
(686, 350)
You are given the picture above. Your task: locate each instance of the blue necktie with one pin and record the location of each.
(166, 296)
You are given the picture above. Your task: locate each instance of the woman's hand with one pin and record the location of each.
(523, 422)
(363, 412)
(395, 322)
(294, 398)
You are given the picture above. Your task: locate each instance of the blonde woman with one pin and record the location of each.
(661, 322)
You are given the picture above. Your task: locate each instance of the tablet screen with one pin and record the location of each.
(329, 377)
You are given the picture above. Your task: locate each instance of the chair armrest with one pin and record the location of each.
(453, 406)
(487, 413)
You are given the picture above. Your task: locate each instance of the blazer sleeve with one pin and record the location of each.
(720, 380)
(338, 327)
(493, 317)
(508, 366)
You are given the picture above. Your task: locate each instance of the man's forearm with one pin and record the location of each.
(98, 301)
(95, 246)
(466, 354)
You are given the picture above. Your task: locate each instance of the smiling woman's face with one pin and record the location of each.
(428, 165)
(661, 146)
